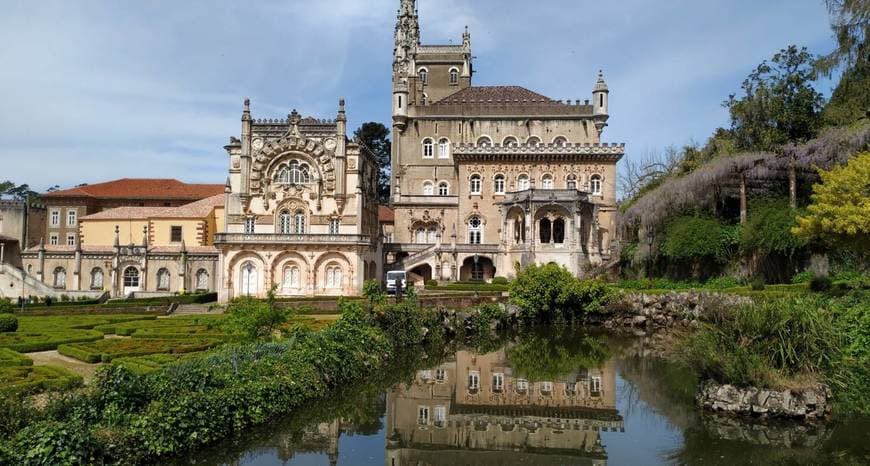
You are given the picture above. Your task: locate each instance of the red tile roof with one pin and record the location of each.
(196, 210)
(386, 214)
(132, 188)
(493, 93)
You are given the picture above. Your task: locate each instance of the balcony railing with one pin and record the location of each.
(270, 238)
(545, 195)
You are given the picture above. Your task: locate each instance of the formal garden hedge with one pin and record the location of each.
(29, 342)
(8, 323)
(108, 349)
(200, 298)
(147, 364)
(20, 380)
(128, 418)
(9, 358)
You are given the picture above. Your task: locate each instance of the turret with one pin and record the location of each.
(600, 95)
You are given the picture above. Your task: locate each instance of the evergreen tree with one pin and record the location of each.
(376, 137)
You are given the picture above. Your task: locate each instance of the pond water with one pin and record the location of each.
(550, 397)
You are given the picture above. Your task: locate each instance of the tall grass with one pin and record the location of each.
(769, 344)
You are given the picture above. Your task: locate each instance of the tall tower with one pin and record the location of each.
(407, 39)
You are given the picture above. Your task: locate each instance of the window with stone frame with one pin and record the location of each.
(250, 225)
(571, 182)
(443, 189)
(595, 184)
(522, 182)
(299, 223)
(71, 239)
(475, 230)
(428, 188)
(175, 234)
(498, 184)
(59, 280)
(97, 279)
(443, 148)
(547, 182)
(53, 239)
(454, 76)
(334, 226)
(71, 216)
(284, 223)
(202, 280)
(163, 280)
(475, 184)
(428, 148)
(54, 218)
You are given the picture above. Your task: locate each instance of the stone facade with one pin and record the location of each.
(477, 405)
(21, 227)
(488, 177)
(302, 212)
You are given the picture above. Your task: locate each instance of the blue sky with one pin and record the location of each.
(95, 90)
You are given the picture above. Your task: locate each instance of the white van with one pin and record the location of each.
(396, 276)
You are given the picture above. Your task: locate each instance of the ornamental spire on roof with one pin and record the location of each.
(407, 37)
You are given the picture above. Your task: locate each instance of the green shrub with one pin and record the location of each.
(819, 284)
(109, 349)
(551, 292)
(757, 284)
(500, 281)
(29, 342)
(694, 238)
(8, 323)
(34, 379)
(431, 283)
(6, 306)
(721, 283)
(250, 319)
(802, 277)
(768, 228)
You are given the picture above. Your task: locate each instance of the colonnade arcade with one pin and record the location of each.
(543, 219)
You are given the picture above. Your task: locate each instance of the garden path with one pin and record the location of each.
(53, 358)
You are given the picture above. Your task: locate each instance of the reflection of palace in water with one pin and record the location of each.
(477, 411)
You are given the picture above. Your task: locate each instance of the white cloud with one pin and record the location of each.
(94, 90)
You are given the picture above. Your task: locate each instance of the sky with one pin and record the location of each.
(97, 90)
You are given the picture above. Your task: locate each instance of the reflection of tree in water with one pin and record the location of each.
(549, 354)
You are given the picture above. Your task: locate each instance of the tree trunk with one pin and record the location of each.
(792, 185)
(742, 199)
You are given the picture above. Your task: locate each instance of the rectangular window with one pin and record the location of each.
(547, 387)
(71, 217)
(423, 415)
(497, 382)
(440, 375)
(595, 385)
(426, 375)
(440, 416)
(522, 385)
(250, 226)
(473, 380)
(70, 240)
(55, 218)
(334, 225)
(53, 239)
(175, 234)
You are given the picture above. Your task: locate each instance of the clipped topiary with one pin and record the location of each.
(500, 281)
(8, 323)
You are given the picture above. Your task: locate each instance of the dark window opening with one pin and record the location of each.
(175, 234)
(545, 230)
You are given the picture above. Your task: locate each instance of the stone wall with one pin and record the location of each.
(807, 403)
(677, 308)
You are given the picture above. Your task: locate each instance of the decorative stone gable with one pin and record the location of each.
(273, 150)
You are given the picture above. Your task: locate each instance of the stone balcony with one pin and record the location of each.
(545, 195)
(270, 238)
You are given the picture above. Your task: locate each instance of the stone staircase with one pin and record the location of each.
(196, 309)
(416, 259)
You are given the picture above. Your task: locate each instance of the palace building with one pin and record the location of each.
(302, 211)
(486, 177)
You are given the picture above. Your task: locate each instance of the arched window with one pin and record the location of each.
(509, 141)
(572, 182)
(545, 230)
(284, 223)
(248, 280)
(595, 184)
(443, 148)
(334, 277)
(547, 182)
(299, 223)
(163, 280)
(560, 141)
(428, 188)
(522, 182)
(291, 278)
(420, 237)
(475, 184)
(428, 148)
(475, 230)
(424, 75)
(59, 277)
(454, 76)
(97, 279)
(425, 98)
(202, 280)
(533, 141)
(443, 189)
(498, 184)
(559, 231)
(484, 141)
(432, 235)
(293, 173)
(131, 277)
